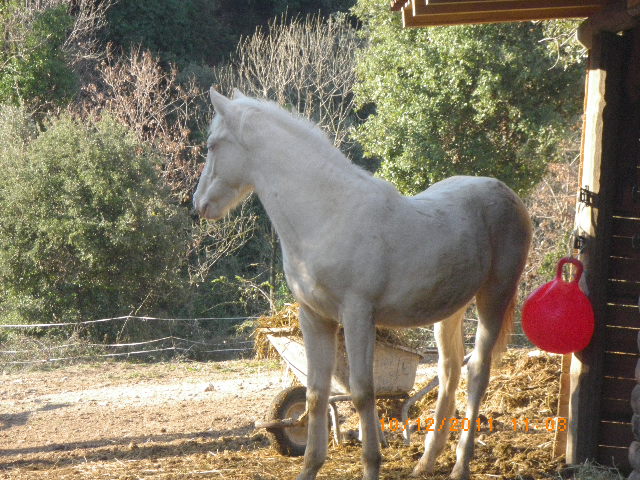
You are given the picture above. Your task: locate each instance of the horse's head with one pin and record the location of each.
(224, 181)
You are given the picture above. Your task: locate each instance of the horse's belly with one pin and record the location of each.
(403, 289)
(421, 312)
(427, 300)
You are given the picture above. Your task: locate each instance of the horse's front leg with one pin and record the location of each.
(360, 333)
(320, 345)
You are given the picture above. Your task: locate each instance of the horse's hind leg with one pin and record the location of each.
(320, 345)
(495, 308)
(448, 335)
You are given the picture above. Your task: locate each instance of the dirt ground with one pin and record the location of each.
(76, 416)
(171, 420)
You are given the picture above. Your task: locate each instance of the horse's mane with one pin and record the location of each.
(305, 128)
(291, 119)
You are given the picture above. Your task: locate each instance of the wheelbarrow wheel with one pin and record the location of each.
(289, 403)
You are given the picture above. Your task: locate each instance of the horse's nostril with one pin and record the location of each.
(194, 214)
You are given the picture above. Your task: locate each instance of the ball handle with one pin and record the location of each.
(574, 261)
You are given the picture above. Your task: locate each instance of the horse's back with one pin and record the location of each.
(483, 199)
(461, 188)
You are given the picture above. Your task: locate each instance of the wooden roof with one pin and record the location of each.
(423, 13)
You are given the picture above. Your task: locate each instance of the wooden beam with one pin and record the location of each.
(399, 4)
(414, 21)
(485, 6)
(613, 18)
(535, 3)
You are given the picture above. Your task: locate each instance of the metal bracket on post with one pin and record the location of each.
(587, 196)
(579, 242)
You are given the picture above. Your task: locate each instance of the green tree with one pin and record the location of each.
(479, 100)
(86, 228)
(180, 31)
(192, 32)
(33, 64)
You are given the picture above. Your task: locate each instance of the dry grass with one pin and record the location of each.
(286, 317)
(524, 388)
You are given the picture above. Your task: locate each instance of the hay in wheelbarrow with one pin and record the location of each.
(287, 317)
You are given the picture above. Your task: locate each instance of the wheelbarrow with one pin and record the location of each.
(394, 371)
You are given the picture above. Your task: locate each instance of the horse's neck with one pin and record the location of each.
(301, 189)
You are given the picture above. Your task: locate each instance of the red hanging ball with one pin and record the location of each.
(558, 317)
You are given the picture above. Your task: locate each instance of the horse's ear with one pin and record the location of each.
(221, 104)
(238, 94)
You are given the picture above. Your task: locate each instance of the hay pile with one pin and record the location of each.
(287, 318)
(524, 388)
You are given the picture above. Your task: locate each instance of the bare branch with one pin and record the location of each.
(307, 64)
(213, 241)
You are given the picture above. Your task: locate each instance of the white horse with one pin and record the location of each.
(359, 254)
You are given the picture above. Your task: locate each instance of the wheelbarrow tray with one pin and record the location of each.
(394, 366)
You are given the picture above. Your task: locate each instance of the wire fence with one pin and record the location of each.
(124, 317)
(201, 344)
(43, 350)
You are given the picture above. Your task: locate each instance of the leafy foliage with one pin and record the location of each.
(86, 228)
(478, 100)
(32, 60)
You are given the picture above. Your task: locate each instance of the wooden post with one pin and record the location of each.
(632, 88)
(560, 440)
(603, 94)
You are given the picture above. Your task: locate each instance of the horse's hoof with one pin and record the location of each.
(373, 474)
(422, 469)
(459, 474)
(306, 476)
(459, 477)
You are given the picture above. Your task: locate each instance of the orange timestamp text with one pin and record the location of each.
(454, 424)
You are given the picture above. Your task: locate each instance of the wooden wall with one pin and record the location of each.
(604, 375)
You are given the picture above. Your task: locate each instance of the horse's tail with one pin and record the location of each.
(505, 330)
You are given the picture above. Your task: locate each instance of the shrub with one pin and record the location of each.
(34, 64)
(86, 229)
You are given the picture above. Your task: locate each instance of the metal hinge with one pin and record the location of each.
(587, 196)
(579, 242)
